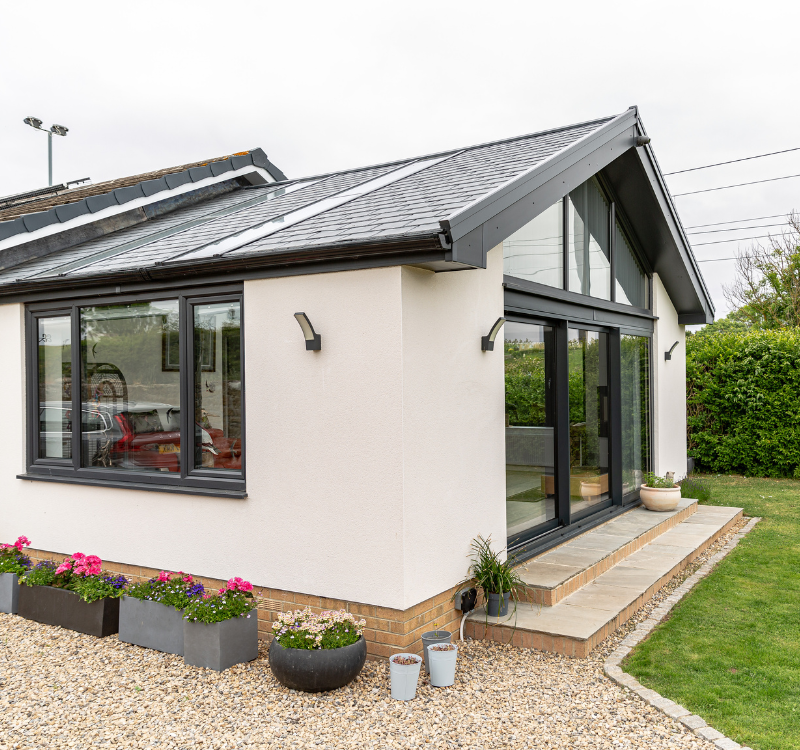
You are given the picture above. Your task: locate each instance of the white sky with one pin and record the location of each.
(322, 86)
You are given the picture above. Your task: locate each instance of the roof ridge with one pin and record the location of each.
(448, 152)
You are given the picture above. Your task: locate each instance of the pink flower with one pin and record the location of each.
(78, 556)
(187, 578)
(163, 576)
(21, 542)
(64, 567)
(237, 584)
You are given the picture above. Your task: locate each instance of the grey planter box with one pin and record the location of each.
(9, 593)
(151, 625)
(221, 644)
(66, 609)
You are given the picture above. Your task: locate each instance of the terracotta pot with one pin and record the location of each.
(660, 498)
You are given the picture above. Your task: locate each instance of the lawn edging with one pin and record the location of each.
(612, 664)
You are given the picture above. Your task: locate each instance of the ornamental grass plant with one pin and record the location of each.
(657, 483)
(491, 574)
(304, 629)
(12, 559)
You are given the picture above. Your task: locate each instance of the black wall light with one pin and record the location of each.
(487, 342)
(313, 339)
(668, 355)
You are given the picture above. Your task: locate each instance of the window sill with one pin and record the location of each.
(176, 489)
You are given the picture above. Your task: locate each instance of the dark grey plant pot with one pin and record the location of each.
(431, 637)
(9, 593)
(66, 609)
(494, 607)
(151, 625)
(220, 645)
(313, 670)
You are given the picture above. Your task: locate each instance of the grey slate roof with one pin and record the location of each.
(408, 208)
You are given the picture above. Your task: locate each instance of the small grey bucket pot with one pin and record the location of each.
(494, 608)
(404, 677)
(443, 665)
(431, 637)
(9, 593)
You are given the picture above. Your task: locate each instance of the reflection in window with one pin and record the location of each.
(55, 387)
(588, 420)
(631, 282)
(536, 252)
(130, 386)
(530, 421)
(635, 376)
(218, 386)
(588, 245)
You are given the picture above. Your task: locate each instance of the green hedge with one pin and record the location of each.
(743, 400)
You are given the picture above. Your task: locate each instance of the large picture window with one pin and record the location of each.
(158, 385)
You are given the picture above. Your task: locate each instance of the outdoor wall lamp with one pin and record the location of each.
(642, 140)
(36, 124)
(313, 339)
(487, 342)
(668, 355)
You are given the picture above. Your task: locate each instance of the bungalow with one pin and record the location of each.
(331, 385)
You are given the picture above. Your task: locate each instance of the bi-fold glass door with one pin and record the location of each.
(563, 427)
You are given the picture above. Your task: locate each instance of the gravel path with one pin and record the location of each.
(60, 689)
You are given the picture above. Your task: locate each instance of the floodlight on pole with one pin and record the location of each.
(36, 124)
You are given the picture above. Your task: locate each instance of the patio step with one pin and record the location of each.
(581, 620)
(556, 574)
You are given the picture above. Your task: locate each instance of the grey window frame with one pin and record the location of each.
(191, 480)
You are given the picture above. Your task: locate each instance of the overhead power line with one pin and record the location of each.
(714, 260)
(740, 184)
(740, 229)
(732, 161)
(736, 239)
(738, 221)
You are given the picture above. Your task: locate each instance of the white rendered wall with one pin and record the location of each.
(370, 464)
(453, 423)
(669, 386)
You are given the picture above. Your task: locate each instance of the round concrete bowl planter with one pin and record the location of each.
(9, 593)
(151, 625)
(404, 677)
(660, 499)
(316, 670)
(220, 645)
(431, 638)
(497, 604)
(443, 664)
(54, 606)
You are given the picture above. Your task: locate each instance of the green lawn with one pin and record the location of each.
(730, 651)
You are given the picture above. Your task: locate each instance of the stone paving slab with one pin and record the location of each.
(599, 607)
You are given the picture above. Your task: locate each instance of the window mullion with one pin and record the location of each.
(186, 379)
(76, 377)
(612, 249)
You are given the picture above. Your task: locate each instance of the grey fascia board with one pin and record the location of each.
(483, 209)
(647, 157)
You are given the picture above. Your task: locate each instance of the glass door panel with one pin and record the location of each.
(530, 427)
(635, 375)
(588, 422)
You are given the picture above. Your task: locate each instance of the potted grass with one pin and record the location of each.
(497, 578)
(315, 652)
(151, 613)
(77, 595)
(220, 630)
(404, 675)
(442, 659)
(13, 564)
(659, 493)
(433, 636)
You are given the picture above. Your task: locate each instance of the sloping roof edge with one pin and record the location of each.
(67, 213)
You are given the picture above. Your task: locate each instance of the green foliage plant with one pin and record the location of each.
(697, 488)
(170, 589)
(235, 599)
(304, 629)
(656, 482)
(491, 574)
(743, 402)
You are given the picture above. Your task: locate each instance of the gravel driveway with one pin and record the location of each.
(60, 689)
